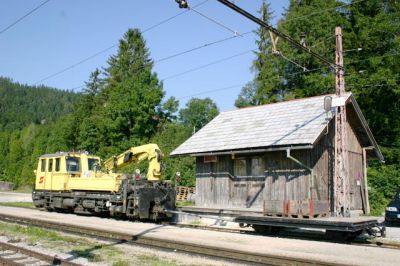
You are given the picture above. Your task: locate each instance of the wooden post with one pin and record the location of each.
(341, 180)
(365, 171)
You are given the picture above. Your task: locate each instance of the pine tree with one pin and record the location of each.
(266, 85)
(133, 94)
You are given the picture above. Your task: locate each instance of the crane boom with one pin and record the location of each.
(150, 152)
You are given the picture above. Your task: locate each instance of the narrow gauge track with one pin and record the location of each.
(17, 256)
(209, 251)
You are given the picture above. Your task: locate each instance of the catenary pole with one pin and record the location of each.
(341, 179)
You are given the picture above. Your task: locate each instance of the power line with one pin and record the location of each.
(277, 32)
(213, 90)
(239, 85)
(206, 65)
(181, 53)
(24, 16)
(324, 10)
(200, 47)
(373, 57)
(160, 23)
(235, 32)
(171, 18)
(110, 47)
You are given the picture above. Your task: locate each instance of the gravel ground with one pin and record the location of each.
(15, 197)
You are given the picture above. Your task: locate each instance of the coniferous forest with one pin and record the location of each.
(124, 104)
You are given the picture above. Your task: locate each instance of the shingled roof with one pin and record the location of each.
(285, 124)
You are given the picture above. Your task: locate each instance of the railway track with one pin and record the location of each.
(296, 234)
(17, 256)
(143, 240)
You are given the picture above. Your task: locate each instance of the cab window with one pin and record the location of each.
(43, 166)
(73, 164)
(57, 164)
(50, 169)
(93, 164)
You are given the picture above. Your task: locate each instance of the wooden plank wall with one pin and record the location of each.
(355, 169)
(217, 187)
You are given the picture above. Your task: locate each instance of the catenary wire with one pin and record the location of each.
(152, 27)
(183, 52)
(206, 65)
(235, 32)
(24, 16)
(110, 47)
(238, 85)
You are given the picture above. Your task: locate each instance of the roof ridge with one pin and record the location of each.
(348, 93)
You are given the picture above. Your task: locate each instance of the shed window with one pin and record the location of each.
(57, 164)
(50, 169)
(43, 166)
(257, 166)
(239, 167)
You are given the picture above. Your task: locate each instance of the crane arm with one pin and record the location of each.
(150, 152)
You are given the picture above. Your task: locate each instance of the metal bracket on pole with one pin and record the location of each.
(274, 41)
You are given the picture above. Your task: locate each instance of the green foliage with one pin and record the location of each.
(198, 113)
(171, 136)
(21, 105)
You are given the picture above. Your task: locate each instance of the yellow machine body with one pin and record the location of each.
(73, 171)
(66, 171)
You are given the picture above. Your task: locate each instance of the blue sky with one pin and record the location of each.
(62, 33)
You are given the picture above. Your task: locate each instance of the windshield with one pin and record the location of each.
(93, 164)
(73, 164)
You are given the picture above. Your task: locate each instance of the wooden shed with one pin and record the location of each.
(278, 158)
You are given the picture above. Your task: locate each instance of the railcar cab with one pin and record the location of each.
(53, 170)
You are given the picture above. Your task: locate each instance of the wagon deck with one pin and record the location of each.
(256, 217)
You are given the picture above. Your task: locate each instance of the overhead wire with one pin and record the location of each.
(239, 85)
(150, 28)
(185, 52)
(229, 38)
(111, 47)
(23, 17)
(235, 32)
(324, 10)
(206, 65)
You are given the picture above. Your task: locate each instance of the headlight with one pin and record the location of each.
(391, 209)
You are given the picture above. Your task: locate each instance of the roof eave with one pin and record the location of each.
(367, 129)
(247, 150)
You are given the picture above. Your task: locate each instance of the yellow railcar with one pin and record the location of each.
(74, 181)
(66, 171)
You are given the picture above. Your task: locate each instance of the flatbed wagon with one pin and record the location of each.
(336, 227)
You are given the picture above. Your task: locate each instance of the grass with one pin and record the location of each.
(183, 203)
(18, 204)
(195, 222)
(79, 247)
(154, 261)
(23, 189)
(75, 246)
(33, 234)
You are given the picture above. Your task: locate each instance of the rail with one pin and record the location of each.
(15, 256)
